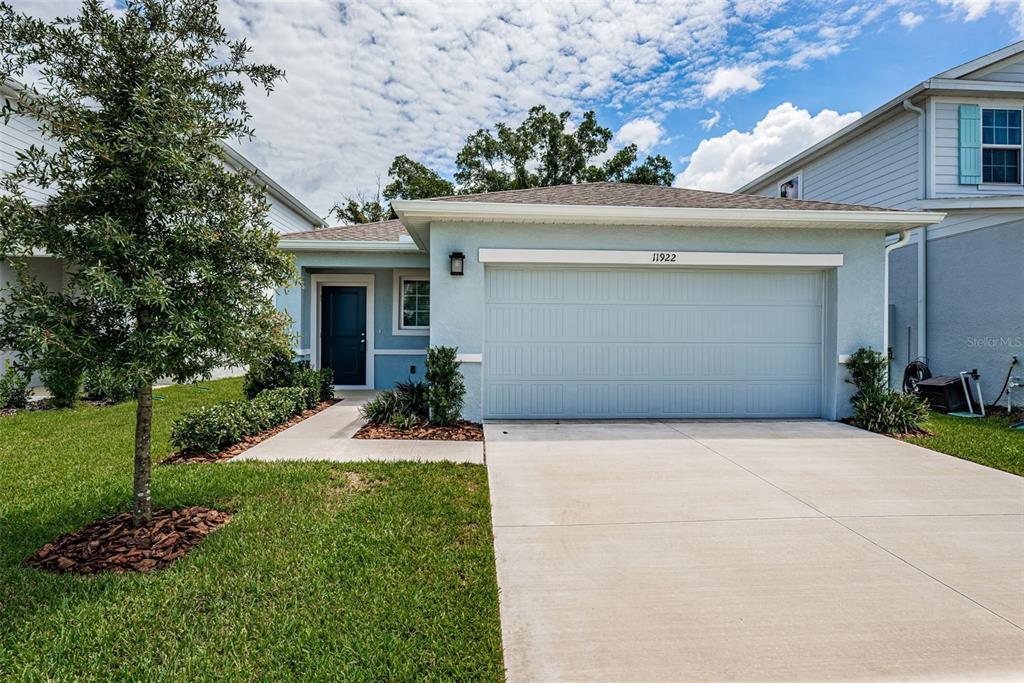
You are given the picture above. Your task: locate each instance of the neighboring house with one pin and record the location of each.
(603, 300)
(287, 214)
(952, 143)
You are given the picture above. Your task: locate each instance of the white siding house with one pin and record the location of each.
(952, 143)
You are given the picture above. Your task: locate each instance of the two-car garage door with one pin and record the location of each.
(609, 343)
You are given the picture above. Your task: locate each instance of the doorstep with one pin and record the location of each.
(328, 436)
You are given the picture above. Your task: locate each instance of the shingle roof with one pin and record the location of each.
(626, 194)
(586, 194)
(381, 231)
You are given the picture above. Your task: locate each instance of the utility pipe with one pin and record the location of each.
(922, 235)
(901, 242)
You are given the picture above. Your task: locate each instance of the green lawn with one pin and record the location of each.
(310, 580)
(987, 441)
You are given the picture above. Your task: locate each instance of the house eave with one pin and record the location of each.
(417, 215)
(346, 245)
(955, 203)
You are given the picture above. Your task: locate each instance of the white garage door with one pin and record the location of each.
(608, 343)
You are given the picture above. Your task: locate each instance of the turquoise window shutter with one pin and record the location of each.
(970, 144)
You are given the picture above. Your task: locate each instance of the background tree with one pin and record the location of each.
(168, 251)
(540, 151)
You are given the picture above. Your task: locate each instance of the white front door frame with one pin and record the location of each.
(316, 284)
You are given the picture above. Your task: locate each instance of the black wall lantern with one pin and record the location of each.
(458, 263)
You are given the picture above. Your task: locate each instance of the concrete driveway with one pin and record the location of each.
(643, 551)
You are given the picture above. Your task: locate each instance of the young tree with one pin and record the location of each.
(168, 252)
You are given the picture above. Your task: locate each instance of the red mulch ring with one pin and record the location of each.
(248, 442)
(113, 545)
(463, 431)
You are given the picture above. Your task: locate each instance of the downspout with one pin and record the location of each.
(922, 235)
(901, 242)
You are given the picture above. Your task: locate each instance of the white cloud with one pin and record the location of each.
(910, 19)
(712, 120)
(726, 162)
(972, 10)
(728, 80)
(370, 80)
(645, 133)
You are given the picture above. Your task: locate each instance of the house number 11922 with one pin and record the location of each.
(662, 257)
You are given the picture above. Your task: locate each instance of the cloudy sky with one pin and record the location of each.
(724, 89)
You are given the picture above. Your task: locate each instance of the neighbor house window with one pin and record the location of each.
(790, 189)
(1000, 145)
(415, 293)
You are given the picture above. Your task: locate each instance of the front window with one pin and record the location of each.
(790, 189)
(1000, 145)
(415, 303)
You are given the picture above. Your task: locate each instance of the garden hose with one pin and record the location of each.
(1006, 382)
(915, 371)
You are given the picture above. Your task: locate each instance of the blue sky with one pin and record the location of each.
(725, 88)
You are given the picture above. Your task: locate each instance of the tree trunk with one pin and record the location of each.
(142, 508)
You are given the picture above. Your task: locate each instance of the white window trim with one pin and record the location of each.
(316, 284)
(397, 329)
(983, 147)
(799, 177)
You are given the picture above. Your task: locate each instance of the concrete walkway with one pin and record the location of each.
(751, 551)
(328, 436)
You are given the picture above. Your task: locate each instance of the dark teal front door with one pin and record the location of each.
(343, 333)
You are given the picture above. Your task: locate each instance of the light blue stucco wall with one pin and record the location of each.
(388, 368)
(855, 289)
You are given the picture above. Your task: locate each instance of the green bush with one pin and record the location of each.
(279, 370)
(889, 412)
(62, 376)
(214, 428)
(406, 403)
(869, 370)
(447, 389)
(100, 384)
(14, 391)
(319, 382)
(875, 406)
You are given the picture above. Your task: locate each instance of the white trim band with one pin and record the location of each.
(399, 352)
(470, 357)
(659, 258)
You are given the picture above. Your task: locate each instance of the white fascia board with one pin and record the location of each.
(418, 214)
(953, 203)
(659, 259)
(345, 245)
(991, 59)
(949, 85)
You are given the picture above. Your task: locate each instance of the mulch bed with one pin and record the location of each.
(113, 545)
(909, 435)
(248, 442)
(464, 431)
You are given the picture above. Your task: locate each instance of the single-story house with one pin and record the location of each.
(604, 300)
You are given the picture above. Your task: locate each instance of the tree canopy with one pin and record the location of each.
(167, 250)
(544, 150)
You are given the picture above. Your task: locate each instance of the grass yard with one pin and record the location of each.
(987, 441)
(355, 571)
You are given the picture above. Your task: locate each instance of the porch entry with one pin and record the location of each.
(343, 333)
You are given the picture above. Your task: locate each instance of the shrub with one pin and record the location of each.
(100, 384)
(14, 391)
(279, 370)
(403, 422)
(214, 428)
(211, 429)
(447, 389)
(889, 412)
(62, 376)
(869, 370)
(320, 383)
(407, 401)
